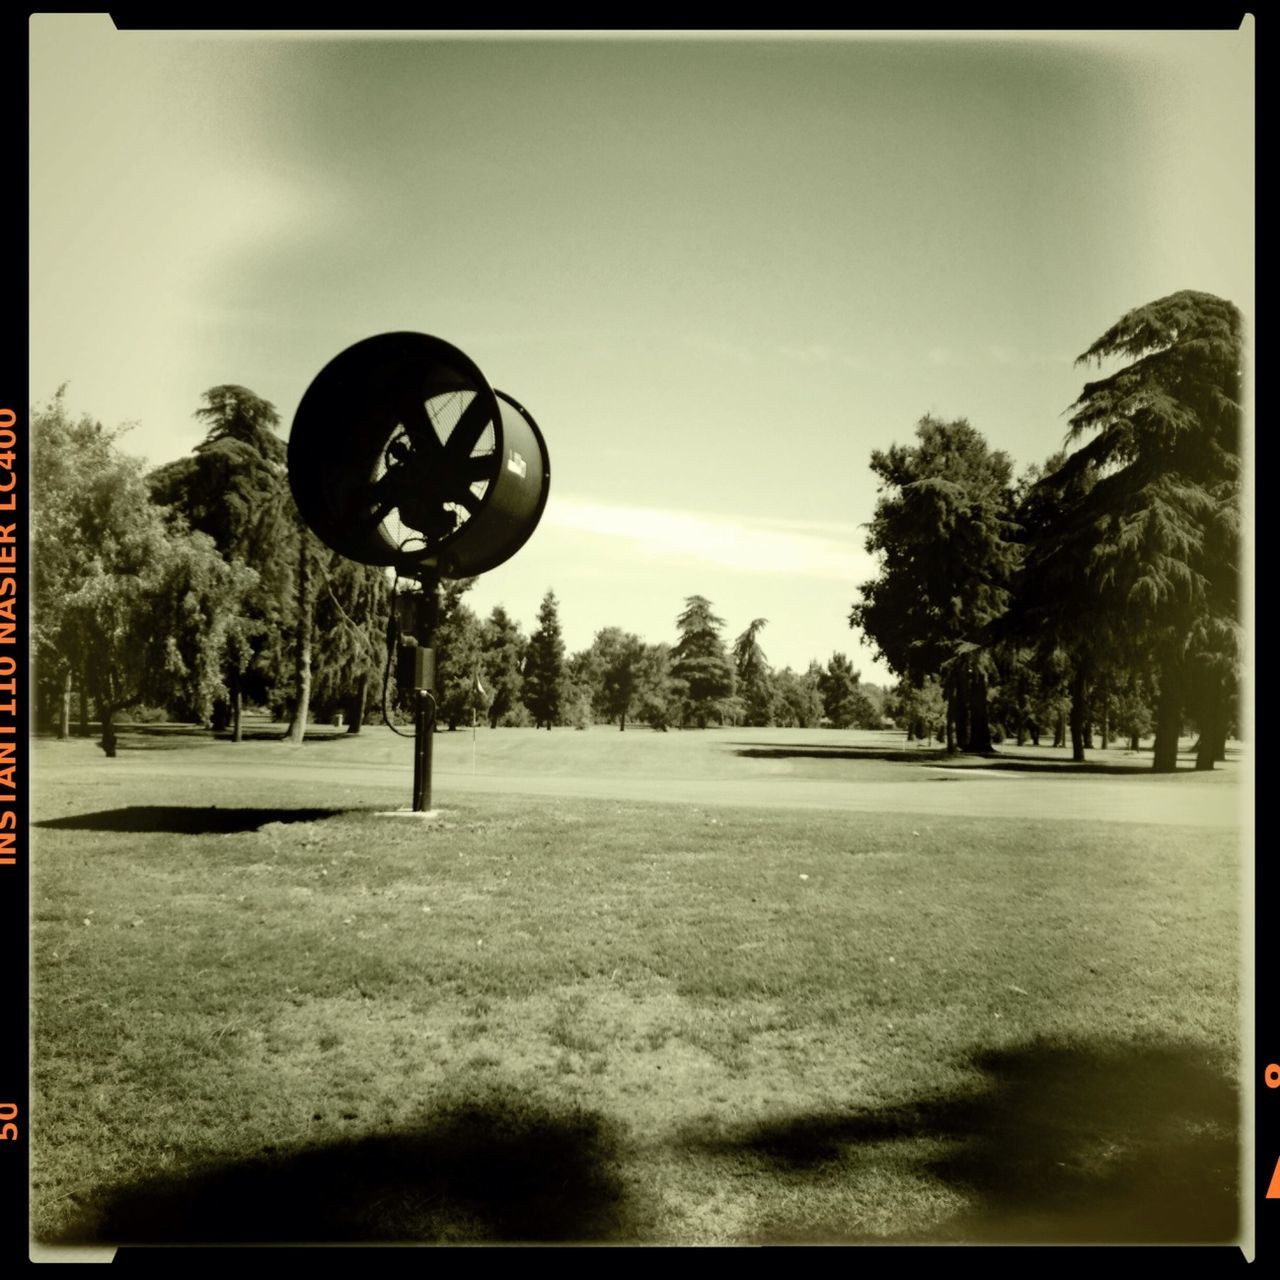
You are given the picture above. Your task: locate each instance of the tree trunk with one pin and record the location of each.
(951, 731)
(1220, 740)
(108, 730)
(64, 707)
(1022, 733)
(84, 704)
(979, 724)
(1210, 721)
(237, 707)
(358, 699)
(1135, 742)
(1059, 730)
(302, 703)
(1078, 713)
(1035, 733)
(1168, 722)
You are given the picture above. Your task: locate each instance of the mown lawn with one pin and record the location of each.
(289, 1018)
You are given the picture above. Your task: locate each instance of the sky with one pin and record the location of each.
(719, 271)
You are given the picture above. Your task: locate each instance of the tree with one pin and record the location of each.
(661, 694)
(838, 685)
(142, 605)
(844, 703)
(234, 487)
(754, 678)
(504, 648)
(920, 709)
(700, 661)
(619, 659)
(349, 654)
(944, 536)
(69, 460)
(798, 698)
(580, 690)
(544, 665)
(1147, 529)
(459, 644)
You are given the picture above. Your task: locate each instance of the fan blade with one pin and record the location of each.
(479, 467)
(468, 430)
(465, 498)
(416, 421)
(368, 521)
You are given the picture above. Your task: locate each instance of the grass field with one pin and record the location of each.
(264, 1012)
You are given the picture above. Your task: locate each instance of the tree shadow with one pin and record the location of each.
(1104, 1144)
(939, 757)
(498, 1171)
(789, 751)
(173, 737)
(1008, 764)
(182, 820)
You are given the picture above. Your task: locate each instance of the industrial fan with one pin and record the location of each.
(402, 454)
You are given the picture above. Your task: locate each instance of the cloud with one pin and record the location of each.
(807, 549)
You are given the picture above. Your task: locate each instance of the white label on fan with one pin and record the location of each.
(516, 463)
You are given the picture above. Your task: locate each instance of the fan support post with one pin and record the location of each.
(424, 690)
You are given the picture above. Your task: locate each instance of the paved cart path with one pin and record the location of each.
(1183, 799)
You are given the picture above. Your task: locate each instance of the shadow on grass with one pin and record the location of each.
(182, 820)
(940, 758)
(171, 737)
(1101, 1144)
(1006, 764)
(786, 751)
(499, 1171)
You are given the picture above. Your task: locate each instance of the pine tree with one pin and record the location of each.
(699, 660)
(754, 678)
(1143, 547)
(544, 665)
(234, 487)
(504, 648)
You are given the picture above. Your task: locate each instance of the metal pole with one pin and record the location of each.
(423, 733)
(424, 702)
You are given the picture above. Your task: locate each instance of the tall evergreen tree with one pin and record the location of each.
(754, 677)
(504, 647)
(699, 660)
(1146, 535)
(234, 487)
(544, 665)
(845, 704)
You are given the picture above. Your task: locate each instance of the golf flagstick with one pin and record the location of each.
(477, 692)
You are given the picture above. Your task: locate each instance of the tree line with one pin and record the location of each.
(195, 589)
(1098, 591)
